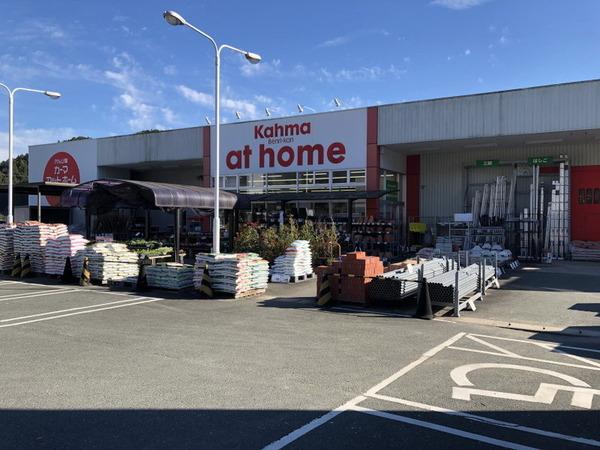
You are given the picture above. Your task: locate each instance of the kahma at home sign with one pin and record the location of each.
(311, 142)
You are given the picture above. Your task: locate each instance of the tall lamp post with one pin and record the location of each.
(174, 18)
(11, 103)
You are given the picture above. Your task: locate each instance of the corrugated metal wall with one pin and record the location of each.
(444, 177)
(173, 145)
(574, 106)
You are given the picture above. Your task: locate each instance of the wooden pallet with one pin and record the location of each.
(120, 284)
(246, 294)
(297, 279)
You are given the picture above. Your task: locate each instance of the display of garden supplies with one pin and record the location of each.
(109, 261)
(295, 262)
(7, 254)
(31, 237)
(58, 249)
(236, 273)
(173, 276)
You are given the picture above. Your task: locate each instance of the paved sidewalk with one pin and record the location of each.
(564, 296)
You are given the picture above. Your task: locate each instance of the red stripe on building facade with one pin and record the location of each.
(373, 162)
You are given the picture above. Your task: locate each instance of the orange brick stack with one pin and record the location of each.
(357, 271)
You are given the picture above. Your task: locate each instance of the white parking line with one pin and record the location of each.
(487, 420)
(298, 433)
(71, 309)
(442, 428)
(60, 316)
(36, 294)
(353, 405)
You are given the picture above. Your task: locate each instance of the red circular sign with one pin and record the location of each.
(61, 168)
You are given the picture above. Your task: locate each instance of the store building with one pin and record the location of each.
(431, 156)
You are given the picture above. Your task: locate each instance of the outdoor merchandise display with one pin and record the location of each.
(31, 238)
(109, 262)
(58, 249)
(295, 262)
(7, 254)
(350, 277)
(585, 251)
(174, 276)
(233, 273)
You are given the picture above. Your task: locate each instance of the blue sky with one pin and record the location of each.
(122, 69)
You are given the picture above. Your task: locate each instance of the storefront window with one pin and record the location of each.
(321, 177)
(245, 181)
(306, 177)
(282, 179)
(357, 176)
(339, 176)
(231, 182)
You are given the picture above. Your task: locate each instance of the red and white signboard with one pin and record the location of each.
(61, 168)
(62, 162)
(291, 144)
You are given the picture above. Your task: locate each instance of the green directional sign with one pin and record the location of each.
(540, 160)
(487, 162)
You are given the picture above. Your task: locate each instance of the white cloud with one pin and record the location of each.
(140, 95)
(262, 68)
(335, 42)
(24, 137)
(30, 30)
(170, 70)
(247, 108)
(467, 52)
(365, 73)
(458, 4)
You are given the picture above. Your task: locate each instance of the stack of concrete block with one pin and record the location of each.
(350, 277)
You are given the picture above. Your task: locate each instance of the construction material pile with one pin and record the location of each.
(585, 251)
(7, 254)
(295, 262)
(31, 237)
(442, 288)
(350, 278)
(109, 262)
(491, 252)
(58, 249)
(237, 274)
(172, 276)
(400, 284)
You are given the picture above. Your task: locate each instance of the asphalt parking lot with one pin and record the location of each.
(94, 368)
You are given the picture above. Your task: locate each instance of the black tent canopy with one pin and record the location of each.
(114, 193)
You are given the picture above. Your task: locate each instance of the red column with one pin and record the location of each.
(413, 187)
(372, 160)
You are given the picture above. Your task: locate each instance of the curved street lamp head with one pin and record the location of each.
(53, 95)
(174, 18)
(300, 108)
(254, 58)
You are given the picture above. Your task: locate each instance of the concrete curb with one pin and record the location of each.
(531, 327)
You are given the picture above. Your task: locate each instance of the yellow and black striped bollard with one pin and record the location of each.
(86, 275)
(324, 292)
(26, 267)
(16, 268)
(205, 289)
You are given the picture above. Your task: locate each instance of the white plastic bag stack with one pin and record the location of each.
(235, 273)
(58, 249)
(173, 276)
(109, 262)
(7, 254)
(31, 238)
(296, 262)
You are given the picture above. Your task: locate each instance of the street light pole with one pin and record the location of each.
(174, 18)
(11, 106)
